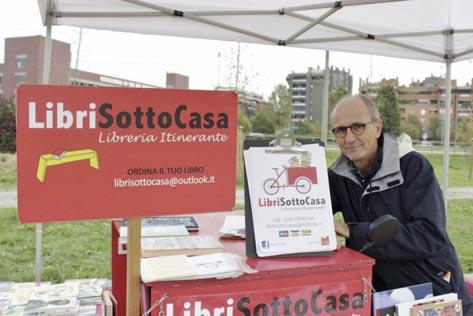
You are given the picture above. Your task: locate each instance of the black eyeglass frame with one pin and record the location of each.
(341, 131)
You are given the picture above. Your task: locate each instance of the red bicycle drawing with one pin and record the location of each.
(301, 178)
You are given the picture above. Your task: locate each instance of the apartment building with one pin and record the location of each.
(426, 99)
(307, 91)
(249, 103)
(24, 64)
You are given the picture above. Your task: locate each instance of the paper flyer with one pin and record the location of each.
(290, 200)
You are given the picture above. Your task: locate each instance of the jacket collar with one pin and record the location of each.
(388, 175)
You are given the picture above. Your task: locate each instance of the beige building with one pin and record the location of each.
(426, 99)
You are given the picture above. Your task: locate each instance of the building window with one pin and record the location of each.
(20, 77)
(21, 61)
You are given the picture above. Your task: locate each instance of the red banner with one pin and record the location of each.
(343, 298)
(95, 153)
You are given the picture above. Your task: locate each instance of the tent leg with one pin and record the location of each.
(324, 120)
(45, 80)
(446, 129)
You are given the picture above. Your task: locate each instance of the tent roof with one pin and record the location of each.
(431, 30)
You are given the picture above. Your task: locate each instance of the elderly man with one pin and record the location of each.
(371, 178)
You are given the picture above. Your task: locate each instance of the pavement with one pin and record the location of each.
(8, 198)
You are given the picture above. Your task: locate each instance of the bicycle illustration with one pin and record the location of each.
(301, 178)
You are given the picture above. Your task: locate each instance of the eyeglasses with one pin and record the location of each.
(356, 129)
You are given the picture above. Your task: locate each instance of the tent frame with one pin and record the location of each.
(48, 7)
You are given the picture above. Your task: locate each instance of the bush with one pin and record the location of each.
(7, 126)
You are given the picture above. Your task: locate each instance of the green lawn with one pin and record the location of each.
(82, 249)
(70, 250)
(7, 171)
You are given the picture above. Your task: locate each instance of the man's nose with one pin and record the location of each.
(349, 136)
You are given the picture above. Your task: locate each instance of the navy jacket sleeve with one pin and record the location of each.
(421, 210)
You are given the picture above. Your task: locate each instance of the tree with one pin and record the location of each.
(264, 121)
(389, 108)
(7, 126)
(239, 76)
(281, 101)
(435, 128)
(244, 122)
(306, 128)
(413, 127)
(464, 132)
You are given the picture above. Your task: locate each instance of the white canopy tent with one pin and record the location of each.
(430, 30)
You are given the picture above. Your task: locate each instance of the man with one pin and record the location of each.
(371, 178)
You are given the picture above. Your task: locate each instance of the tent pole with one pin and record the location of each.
(47, 53)
(44, 80)
(446, 130)
(324, 120)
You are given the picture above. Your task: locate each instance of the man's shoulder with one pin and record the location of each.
(415, 163)
(414, 156)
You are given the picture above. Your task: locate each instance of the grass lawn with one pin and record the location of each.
(7, 171)
(82, 249)
(71, 250)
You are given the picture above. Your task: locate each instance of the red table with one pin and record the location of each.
(338, 284)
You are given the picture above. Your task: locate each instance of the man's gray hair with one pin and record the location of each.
(372, 107)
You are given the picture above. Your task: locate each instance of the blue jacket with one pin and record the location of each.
(406, 188)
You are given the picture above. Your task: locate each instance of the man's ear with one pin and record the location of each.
(379, 127)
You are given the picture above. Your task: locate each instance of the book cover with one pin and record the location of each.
(181, 267)
(404, 308)
(109, 303)
(165, 268)
(188, 245)
(90, 288)
(6, 295)
(218, 265)
(57, 291)
(384, 302)
(64, 306)
(90, 308)
(188, 221)
(451, 308)
(23, 292)
(157, 230)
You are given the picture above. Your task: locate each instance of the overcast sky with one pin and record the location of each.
(148, 58)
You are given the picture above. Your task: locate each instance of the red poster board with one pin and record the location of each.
(96, 153)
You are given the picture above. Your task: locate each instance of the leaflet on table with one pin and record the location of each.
(290, 200)
(233, 227)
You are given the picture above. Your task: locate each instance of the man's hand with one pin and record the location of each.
(341, 228)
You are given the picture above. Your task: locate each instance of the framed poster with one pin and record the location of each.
(99, 152)
(290, 200)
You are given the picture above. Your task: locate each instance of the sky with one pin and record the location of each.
(207, 63)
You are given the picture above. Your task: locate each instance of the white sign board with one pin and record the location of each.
(290, 200)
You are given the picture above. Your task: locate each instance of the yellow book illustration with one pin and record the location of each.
(62, 157)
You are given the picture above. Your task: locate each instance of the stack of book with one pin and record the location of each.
(415, 300)
(169, 235)
(181, 267)
(73, 297)
(169, 252)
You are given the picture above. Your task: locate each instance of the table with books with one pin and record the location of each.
(275, 286)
